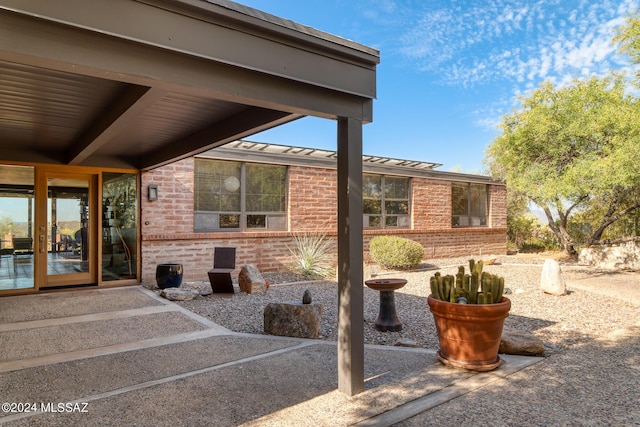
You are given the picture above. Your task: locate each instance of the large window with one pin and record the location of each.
(16, 226)
(468, 204)
(239, 196)
(119, 226)
(385, 201)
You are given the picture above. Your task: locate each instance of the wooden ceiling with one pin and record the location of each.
(138, 84)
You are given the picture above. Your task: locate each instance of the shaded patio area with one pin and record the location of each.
(126, 86)
(17, 272)
(134, 358)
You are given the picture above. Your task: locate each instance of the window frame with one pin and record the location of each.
(468, 219)
(273, 221)
(383, 215)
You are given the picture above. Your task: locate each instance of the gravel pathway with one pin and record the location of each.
(591, 372)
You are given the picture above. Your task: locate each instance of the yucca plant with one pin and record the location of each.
(311, 256)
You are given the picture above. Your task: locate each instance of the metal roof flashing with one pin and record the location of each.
(260, 152)
(292, 25)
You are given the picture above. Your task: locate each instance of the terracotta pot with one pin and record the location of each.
(469, 334)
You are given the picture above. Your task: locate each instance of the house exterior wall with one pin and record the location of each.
(168, 223)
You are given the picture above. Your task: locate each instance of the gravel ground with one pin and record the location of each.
(591, 372)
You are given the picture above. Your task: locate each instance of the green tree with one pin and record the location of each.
(628, 38)
(6, 224)
(568, 148)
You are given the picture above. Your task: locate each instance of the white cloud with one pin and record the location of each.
(485, 41)
(510, 44)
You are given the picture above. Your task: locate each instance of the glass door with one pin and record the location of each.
(16, 227)
(66, 241)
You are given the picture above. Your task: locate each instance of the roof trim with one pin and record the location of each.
(292, 25)
(260, 152)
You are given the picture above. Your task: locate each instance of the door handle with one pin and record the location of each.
(41, 238)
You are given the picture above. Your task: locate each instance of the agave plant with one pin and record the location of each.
(311, 256)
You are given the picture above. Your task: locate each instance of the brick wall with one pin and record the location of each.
(498, 206)
(431, 204)
(168, 236)
(173, 211)
(313, 200)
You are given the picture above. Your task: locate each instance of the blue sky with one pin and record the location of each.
(450, 69)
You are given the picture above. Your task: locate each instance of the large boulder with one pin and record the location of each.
(551, 280)
(293, 319)
(250, 280)
(521, 343)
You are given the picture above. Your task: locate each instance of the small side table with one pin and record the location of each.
(387, 318)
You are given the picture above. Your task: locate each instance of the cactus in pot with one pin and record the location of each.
(469, 332)
(478, 287)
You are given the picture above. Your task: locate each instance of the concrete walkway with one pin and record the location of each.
(127, 357)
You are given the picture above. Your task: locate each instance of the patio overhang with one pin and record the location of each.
(142, 83)
(127, 83)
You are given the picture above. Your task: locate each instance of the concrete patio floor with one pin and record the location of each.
(127, 357)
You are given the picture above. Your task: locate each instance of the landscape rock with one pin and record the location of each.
(293, 319)
(551, 280)
(250, 280)
(522, 343)
(406, 342)
(203, 288)
(306, 297)
(178, 294)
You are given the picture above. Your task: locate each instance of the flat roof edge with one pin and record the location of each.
(292, 25)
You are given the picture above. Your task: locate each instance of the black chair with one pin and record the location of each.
(224, 262)
(22, 251)
(8, 252)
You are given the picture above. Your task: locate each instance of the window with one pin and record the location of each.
(119, 225)
(239, 196)
(385, 201)
(468, 204)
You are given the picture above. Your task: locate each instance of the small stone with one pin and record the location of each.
(177, 294)
(205, 291)
(551, 346)
(551, 280)
(406, 342)
(522, 343)
(306, 297)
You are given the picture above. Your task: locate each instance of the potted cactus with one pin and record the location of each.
(469, 312)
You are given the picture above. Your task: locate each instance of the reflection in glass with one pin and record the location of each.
(385, 201)
(16, 227)
(468, 204)
(119, 226)
(68, 222)
(232, 195)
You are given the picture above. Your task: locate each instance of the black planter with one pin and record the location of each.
(169, 275)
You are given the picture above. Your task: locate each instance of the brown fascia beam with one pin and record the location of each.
(120, 114)
(250, 121)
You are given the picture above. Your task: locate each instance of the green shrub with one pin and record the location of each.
(311, 256)
(395, 252)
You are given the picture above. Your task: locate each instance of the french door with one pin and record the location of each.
(63, 227)
(65, 246)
